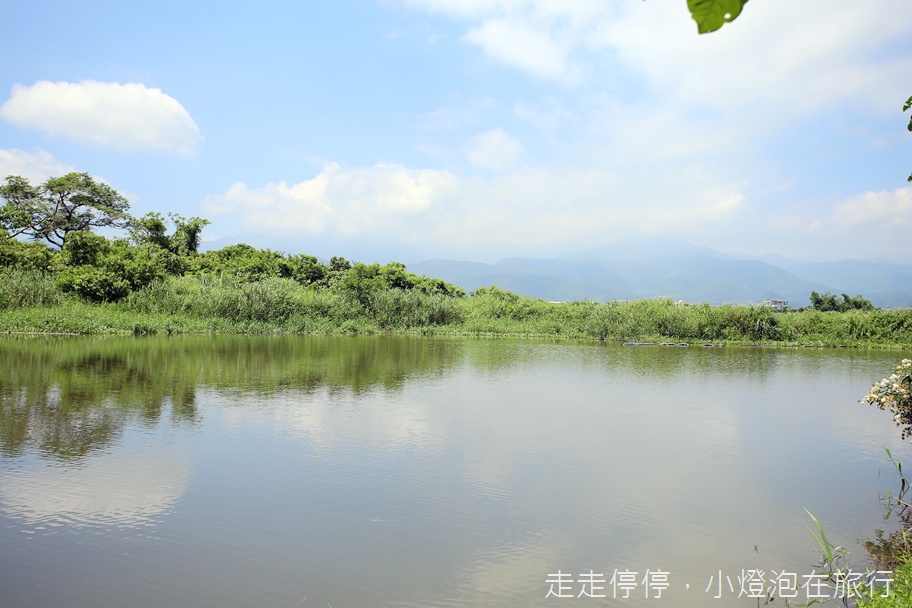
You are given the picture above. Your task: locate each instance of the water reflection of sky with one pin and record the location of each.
(583, 465)
(469, 487)
(126, 487)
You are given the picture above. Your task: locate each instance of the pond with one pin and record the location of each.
(346, 471)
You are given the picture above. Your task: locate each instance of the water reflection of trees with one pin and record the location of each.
(67, 397)
(756, 364)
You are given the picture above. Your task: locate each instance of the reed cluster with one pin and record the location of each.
(31, 300)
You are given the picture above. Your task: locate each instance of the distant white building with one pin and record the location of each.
(777, 305)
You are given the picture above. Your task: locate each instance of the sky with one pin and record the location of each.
(476, 129)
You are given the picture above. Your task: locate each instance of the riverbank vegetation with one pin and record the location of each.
(155, 280)
(243, 290)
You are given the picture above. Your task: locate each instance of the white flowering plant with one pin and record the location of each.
(895, 394)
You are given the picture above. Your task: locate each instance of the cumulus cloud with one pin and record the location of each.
(127, 117)
(35, 166)
(541, 210)
(345, 201)
(495, 149)
(881, 211)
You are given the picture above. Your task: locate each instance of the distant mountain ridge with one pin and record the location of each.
(638, 269)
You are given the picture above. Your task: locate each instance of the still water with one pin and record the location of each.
(391, 471)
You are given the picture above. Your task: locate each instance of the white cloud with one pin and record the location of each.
(495, 149)
(527, 211)
(345, 201)
(877, 212)
(521, 45)
(551, 209)
(127, 117)
(36, 167)
(866, 225)
(806, 55)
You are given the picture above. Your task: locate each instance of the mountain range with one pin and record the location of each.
(639, 269)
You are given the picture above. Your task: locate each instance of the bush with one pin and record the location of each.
(27, 256)
(894, 393)
(241, 260)
(93, 283)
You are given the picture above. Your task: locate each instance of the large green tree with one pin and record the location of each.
(59, 206)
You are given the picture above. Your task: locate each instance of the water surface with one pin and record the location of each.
(394, 471)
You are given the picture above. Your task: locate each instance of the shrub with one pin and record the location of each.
(27, 256)
(93, 283)
(894, 393)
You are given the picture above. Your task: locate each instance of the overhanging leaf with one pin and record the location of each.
(710, 15)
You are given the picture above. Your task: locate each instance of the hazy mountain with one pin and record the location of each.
(644, 248)
(679, 271)
(855, 277)
(549, 279)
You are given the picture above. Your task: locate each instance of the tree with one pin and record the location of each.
(187, 233)
(60, 206)
(20, 213)
(828, 302)
(151, 228)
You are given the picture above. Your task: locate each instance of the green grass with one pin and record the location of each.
(30, 301)
(900, 595)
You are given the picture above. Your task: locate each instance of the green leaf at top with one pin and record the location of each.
(710, 15)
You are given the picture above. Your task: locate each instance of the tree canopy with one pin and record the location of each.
(828, 302)
(59, 206)
(152, 228)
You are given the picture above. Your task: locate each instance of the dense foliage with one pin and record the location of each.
(60, 206)
(828, 302)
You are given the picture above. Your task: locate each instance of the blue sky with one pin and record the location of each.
(477, 130)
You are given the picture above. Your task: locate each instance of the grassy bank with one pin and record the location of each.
(32, 301)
